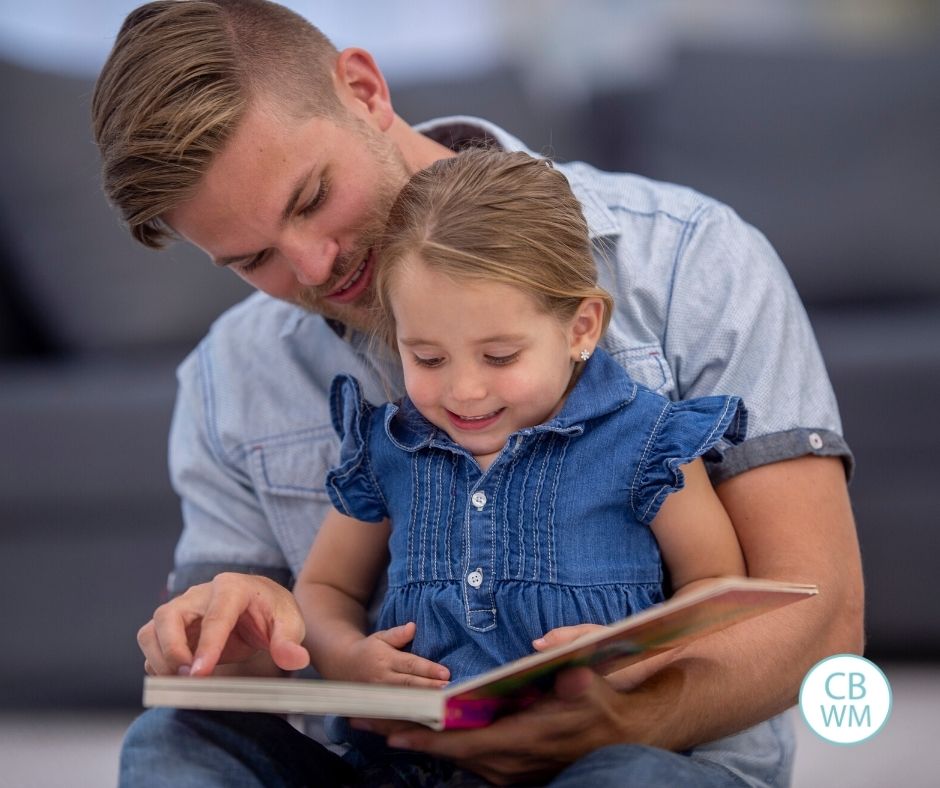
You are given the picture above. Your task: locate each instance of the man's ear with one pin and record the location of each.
(361, 86)
(586, 326)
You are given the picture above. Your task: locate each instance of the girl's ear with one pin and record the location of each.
(362, 88)
(586, 326)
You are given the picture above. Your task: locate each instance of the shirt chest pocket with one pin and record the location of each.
(647, 366)
(289, 477)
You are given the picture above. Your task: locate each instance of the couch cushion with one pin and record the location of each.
(833, 155)
(89, 283)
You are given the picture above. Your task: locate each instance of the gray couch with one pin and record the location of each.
(835, 158)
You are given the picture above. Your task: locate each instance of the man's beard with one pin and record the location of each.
(391, 174)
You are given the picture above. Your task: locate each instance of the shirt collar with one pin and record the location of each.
(463, 131)
(602, 388)
(458, 132)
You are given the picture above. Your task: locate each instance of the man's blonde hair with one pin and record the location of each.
(177, 84)
(495, 216)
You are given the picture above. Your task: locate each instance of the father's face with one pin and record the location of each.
(295, 207)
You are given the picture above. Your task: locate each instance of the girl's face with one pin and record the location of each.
(481, 359)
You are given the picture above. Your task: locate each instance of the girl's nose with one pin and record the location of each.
(467, 385)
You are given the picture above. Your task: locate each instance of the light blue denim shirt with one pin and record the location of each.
(484, 562)
(703, 306)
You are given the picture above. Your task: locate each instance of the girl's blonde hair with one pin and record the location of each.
(497, 216)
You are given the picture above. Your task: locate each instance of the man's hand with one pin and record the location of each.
(585, 713)
(795, 523)
(379, 658)
(230, 620)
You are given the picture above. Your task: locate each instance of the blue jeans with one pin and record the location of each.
(197, 749)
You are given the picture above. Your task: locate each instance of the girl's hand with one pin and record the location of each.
(561, 636)
(623, 679)
(379, 658)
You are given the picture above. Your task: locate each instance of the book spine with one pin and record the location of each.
(470, 712)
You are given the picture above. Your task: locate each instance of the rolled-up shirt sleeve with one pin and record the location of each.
(736, 325)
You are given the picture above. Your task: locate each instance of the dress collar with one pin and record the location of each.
(602, 388)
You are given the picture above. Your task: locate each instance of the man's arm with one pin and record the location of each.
(794, 522)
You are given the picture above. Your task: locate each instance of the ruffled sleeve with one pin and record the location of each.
(351, 484)
(684, 431)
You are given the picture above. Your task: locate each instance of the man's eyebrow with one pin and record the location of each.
(289, 207)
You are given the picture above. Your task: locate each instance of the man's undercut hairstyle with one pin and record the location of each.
(177, 84)
(494, 216)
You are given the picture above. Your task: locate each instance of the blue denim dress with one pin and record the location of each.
(555, 532)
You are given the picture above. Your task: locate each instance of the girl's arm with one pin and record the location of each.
(697, 542)
(695, 533)
(333, 591)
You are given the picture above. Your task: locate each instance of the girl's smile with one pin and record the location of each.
(482, 359)
(475, 422)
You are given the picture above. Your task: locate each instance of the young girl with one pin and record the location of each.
(525, 483)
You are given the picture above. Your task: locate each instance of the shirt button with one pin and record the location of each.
(475, 578)
(478, 499)
(815, 440)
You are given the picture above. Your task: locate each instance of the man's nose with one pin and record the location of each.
(311, 261)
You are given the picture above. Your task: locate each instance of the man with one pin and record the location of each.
(237, 127)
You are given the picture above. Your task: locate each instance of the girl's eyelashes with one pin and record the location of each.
(428, 362)
(498, 361)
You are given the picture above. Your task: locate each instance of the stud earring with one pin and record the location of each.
(585, 355)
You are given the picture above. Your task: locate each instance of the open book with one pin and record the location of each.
(477, 701)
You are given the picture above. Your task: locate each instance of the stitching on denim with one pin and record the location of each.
(273, 507)
(436, 532)
(678, 477)
(467, 547)
(208, 405)
(641, 465)
(370, 468)
(425, 497)
(504, 502)
(537, 567)
(650, 585)
(719, 424)
(448, 520)
(550, 525)
(689, 227)
(659, 213)
(413, 467)
(523, 497)
(492, 517)
(279, 439)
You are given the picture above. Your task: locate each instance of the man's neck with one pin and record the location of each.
(417, 150)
